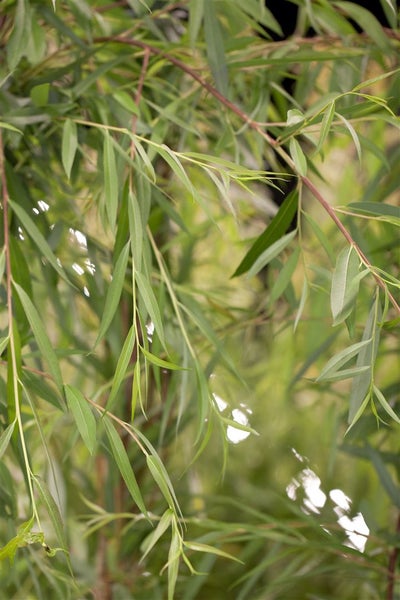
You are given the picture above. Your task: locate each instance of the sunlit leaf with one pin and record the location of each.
(69, 145)
(199, 547)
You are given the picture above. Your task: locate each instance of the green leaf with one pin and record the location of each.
(271, 252)
(353, 134)
(361, 386)
(345, 284)
(199, 547)
(159, 362)
(284, 277)
(275, 230)
(53, 512)
(122, 366)
(114, 293)
(215, 47)
(386, 480)
(196, 12)
(111, 186)
(152, 539)
(174, 554)
(150, 302)
(172, 160)
(83, 415)
(379, 209)
(122, 460)
(340, 359)
(162, 479)
(40, 94)
(41, 336)
(69, 145)
(37, 238)
(22, 539)
(326, 125)
(385, 404)
(16, 45)
(298, 157)
(302, 303)
(5, 437)
(367, 22)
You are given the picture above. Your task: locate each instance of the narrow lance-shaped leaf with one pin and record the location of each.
(84, 418)
(69, 145)
(110, 180)
(298, 156)
(150, 302)
(284, 277)
(175, 551)
(114, 292)
(340, 359)
(385, 404)
(366, 357)
(275, 230)
(123, 463)
(122, 365)
(53, 512)
(215, 47)
(5, 437)
(271, 253)
(156, 534)
(344, 284)
(37, 238)
(41, 336)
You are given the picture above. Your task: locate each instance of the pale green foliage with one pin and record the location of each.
(155, 301)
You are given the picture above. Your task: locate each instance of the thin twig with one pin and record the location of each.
(268, 138)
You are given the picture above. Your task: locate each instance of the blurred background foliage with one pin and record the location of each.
(146, 150)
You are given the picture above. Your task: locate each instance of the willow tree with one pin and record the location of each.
(199, 231)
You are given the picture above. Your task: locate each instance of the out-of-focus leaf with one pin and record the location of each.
(386, 480)
(16, 46)
(196, 13)
(40, 94)
(275, 230)
(379, 209)
(41, 336)
(271, 252)
(302, 303)
(114, 293)
(215, 47)
(368, 22)
(22, 539)
(69, 145)
(124, 465)
(82, 413)
(174, 554)
(353, 134)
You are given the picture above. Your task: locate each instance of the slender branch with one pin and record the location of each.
(255, 125)
(12, 344)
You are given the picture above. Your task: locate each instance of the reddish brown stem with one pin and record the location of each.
(268, 138)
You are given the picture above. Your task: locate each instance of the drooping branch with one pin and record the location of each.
(271, 141)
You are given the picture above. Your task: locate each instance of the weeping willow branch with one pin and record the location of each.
(260, 129)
